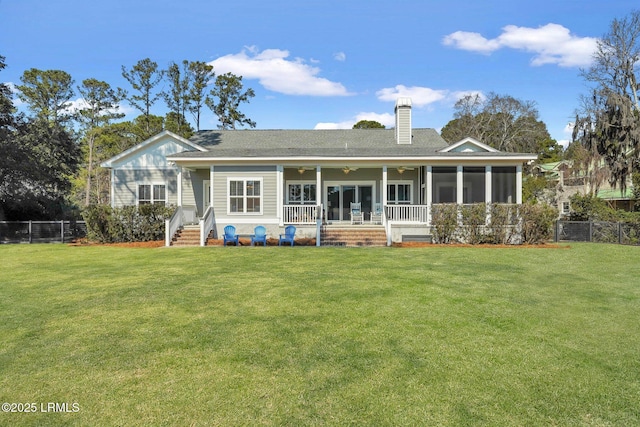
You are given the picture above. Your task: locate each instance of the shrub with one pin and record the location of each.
(537, 222)
(97, 219)
(474, 219)
(586, 207)
(502, 226)
(444, 222)
(126, 224)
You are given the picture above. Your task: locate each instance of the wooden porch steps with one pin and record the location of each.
(353, 236)
(189, 235)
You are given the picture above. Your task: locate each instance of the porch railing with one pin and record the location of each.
(407, 213)
(206, 225)
(172, 225)
(301, 214)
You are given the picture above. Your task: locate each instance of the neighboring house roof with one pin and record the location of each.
(327, 144)
(615, 194)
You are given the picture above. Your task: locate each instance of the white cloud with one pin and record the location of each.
(78, 104)
(340, 56)
(17, 102)
(386, 119)
(551, 44)
(420, 96)
(276, 72)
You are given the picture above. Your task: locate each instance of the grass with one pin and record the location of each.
(321, 336)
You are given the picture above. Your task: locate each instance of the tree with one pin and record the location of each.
(101, 106)
(549, 151)
(6, 105)
(177, 98)
(201, 73)
(611, 124)
(503, 122)
(172, 123)
(37, 183)
(11, 153)
(47, 94)
(368, 124)
(228, 90)
(143, 77)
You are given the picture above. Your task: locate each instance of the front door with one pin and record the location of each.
(340, 196)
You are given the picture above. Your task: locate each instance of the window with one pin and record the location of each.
(300, 193)
(399, 193)
(474, 184)
(566, 208)
(503, 184)
(151, 194)
(245, 196)
(444, 184)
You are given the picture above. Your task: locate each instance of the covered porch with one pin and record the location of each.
(313, 196)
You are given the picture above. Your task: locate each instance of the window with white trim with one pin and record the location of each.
(152, 194)
(301, 193)
(399, 193)
(245, 196)
(566, 208)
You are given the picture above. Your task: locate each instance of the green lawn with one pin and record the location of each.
(321, 336)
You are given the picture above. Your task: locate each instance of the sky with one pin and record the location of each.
(326, 64)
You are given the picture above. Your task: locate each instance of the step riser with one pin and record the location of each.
(354, 238)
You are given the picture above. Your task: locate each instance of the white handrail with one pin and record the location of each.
(172, 225)
(206, 225)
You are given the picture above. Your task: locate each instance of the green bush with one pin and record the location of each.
(586, 207)
(537, 223)
(126, 224)
(444, 222)
(474, 219)
(502, 225)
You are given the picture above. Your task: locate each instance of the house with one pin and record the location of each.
(309, 178)
(566, 181)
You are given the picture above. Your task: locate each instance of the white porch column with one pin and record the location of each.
(112, 190)
(429, 193)
(279, 193)
(320, 217)
(384, 192)
(318, 185)
(459, 185)
(179, 185)
(211, 186)
(519, 184)
(384, 186)
(487, 185)
(487, 192)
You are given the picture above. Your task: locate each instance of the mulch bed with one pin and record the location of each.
(312, 242)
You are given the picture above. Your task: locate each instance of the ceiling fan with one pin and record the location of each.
(348, 169)
(302, 169)
(401, 169)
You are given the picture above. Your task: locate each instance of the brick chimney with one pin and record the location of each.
(403, 121)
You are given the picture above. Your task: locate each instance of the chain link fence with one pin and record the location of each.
(42, 231)
(597, 232)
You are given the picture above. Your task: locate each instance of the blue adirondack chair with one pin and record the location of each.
(230, 235)
(259, 236)
(289, 234)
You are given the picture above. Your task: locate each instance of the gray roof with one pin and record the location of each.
(316, 143)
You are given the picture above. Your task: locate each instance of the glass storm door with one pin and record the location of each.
(340, 197)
